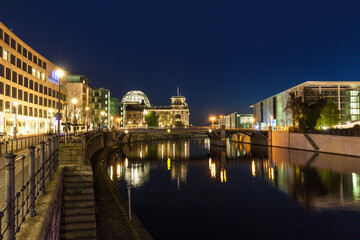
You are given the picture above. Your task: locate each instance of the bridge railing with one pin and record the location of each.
(23, 179)
(21, 143)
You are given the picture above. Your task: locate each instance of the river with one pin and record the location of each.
(187, 189)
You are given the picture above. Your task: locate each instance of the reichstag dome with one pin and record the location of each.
(136, 96)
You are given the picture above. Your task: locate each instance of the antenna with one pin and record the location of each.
(178, 91)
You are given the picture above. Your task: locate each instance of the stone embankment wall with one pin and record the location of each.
(310, 142)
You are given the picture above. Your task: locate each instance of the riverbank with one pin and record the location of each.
(111, 208)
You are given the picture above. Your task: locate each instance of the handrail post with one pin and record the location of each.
(49, 159)
(32, 179)
(42, 164)
(9, 218)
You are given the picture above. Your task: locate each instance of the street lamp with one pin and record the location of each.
(102, 119)
(59, 73)
(87, 118)
(212, 119)
(50, 113)
(15, 121)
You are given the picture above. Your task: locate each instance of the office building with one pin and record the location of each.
(101, 107)
(345, 94)
(29, 87)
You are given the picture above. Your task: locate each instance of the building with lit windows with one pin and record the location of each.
(135, 105)
(78, 102)
(101, 107)
(271, 111)
(29, 87)
(236, 120)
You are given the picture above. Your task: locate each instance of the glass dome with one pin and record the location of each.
(136, 96)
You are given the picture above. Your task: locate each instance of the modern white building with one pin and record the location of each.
(271, 111)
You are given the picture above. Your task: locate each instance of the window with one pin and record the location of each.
(31, 84)
(12, 59)
(41, 88)
(8, 74)
(20, 80)
(14, 92)
(43, 76)
(40, 62)
(40, 113)
(2, 88)
(14, 77)
(24, 66)
(49, 103)
(1, 51)
(26, 96)
(30, 111)
(1, 105)
(20, 95)
(35, 59)
(45, 114)
(18, 63)
(25, 110)
(38, 74)
(31, 98)
(36, 99)
(19, 48)
(26, 82)
(45, 90)
(36, 86)
(7, 106)
(2, 70)
(13, 43)
(20, 109)
(30, 56)
(44, 65)
(45, 102)
(34, 72)
(25, 52)
(7, 38)
(7, 90)
(29, 69)
(35, 112)
(1, 34)
(40, 101)
(6, 55)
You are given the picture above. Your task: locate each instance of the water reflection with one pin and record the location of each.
(320, 181)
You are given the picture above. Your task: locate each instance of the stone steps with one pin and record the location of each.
(78, 211)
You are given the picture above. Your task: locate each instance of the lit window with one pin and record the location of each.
(38, 74)
(354, 93)
(43, 76)
(354, 105)
(105, 96)
(354, 111)
(105, 108)
(6, 55)
(105, 102)
(34, 72)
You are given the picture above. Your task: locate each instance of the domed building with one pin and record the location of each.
(135, 97)
(135, 105)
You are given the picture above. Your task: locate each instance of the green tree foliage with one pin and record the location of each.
(305, 108)
(330, 114)
(151, 119)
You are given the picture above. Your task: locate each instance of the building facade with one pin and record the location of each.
(30, 90)
(271, 111)
(78, 102)
(236, 120)
(135, 105)
(101, 107)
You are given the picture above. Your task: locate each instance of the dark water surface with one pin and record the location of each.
(185, 190)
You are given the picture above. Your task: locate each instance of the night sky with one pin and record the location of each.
(224, 55)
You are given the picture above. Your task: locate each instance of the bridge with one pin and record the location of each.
(217, 135)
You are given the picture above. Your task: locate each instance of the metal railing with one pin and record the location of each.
(21, 143)
(20, 194)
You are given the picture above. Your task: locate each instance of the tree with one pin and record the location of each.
(151, 119)
(305, 108)
(330, 114)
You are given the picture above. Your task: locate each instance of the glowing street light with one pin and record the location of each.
(212, 119)
(74, 101)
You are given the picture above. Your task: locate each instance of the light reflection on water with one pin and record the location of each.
(319, 181)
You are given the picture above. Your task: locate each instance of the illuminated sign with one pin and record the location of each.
(54, 78)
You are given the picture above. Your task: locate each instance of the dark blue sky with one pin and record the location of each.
(224, 55)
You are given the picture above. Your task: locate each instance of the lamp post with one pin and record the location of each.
(74, 102)
(15, 104)
(102, 119)
(212, 119)
(87, 118)
(50, 113)
(59, 73)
